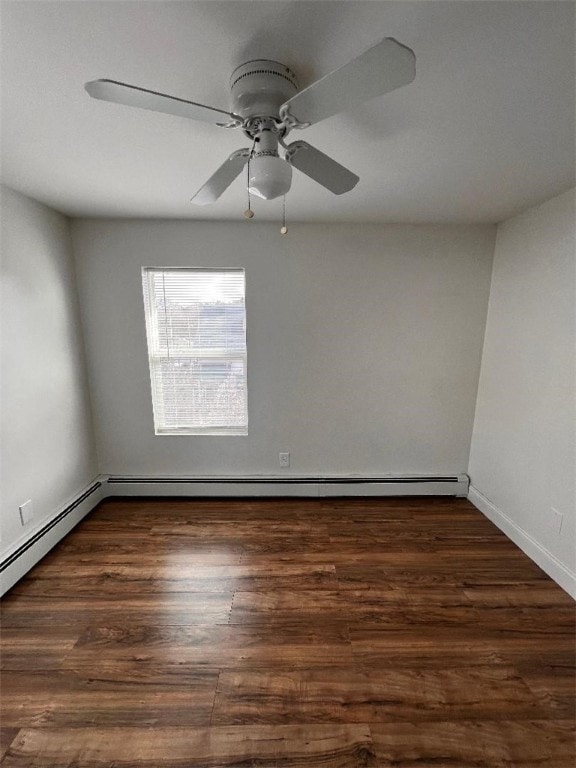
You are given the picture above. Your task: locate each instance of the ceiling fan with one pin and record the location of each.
(267, 105)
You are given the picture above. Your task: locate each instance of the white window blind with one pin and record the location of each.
(196, 330)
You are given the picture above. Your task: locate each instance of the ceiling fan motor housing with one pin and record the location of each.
(260, 87)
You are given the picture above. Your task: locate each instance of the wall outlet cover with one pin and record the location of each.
(26, 512)
(558, 518)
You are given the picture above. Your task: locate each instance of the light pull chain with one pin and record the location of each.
(249, 213)
(283, 228)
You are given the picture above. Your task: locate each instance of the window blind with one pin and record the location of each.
(196, 331)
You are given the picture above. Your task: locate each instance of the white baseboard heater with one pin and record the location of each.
(17, 562)
(456, 485)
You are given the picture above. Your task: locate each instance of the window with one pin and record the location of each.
(196, 329)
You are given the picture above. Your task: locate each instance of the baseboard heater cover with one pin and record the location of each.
(26, 555)
(454, 485)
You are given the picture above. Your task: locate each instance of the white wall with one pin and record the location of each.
(364, 344)
(523, 451)
(47, 441)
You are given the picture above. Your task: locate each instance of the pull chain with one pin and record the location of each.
(283, 228)
(249, 213)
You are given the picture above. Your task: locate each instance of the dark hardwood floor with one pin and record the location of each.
(287, 633)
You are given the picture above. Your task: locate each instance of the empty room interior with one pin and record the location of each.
(288, 384)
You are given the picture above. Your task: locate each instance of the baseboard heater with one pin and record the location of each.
(18, 562)
(455, 485)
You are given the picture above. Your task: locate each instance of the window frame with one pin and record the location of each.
(156, 356)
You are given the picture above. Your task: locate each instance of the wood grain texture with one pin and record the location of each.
(355, 695)
(66, 698)
(133, 608)
(7, 736)
(287, 633)
(160, 578)
(21, 649)
(486, 744)
(289, 645)
(285, 746)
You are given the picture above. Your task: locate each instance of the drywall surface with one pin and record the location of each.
(364, 345)
(523, 455)
(47, 441)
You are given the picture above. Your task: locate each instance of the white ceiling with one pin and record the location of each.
(486, 129)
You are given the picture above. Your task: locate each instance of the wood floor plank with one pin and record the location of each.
(61, 699)
(175, 608)
(290, 645)
(483, 744)
(353, 695)
(148, 544)
(375, 648)
(538, 594)
(284, 746)
(153, 578)
(251, 536)
(317, 605)
(151, 553)
(21, 650)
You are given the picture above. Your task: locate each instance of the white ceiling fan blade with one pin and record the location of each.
(382, 68)
(221, 180)
(132, 96)
(320, 167)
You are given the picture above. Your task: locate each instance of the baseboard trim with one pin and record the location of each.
(26, 553)
(557, 571)
(456, 485)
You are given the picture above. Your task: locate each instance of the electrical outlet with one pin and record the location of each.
(284, 459)
(26, 512)
(558, 518)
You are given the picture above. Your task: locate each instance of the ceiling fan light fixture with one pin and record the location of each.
(269, 177)
(268, 105)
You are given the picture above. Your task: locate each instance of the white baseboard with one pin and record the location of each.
(25, 553)
(550, 564)
(287, 486)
